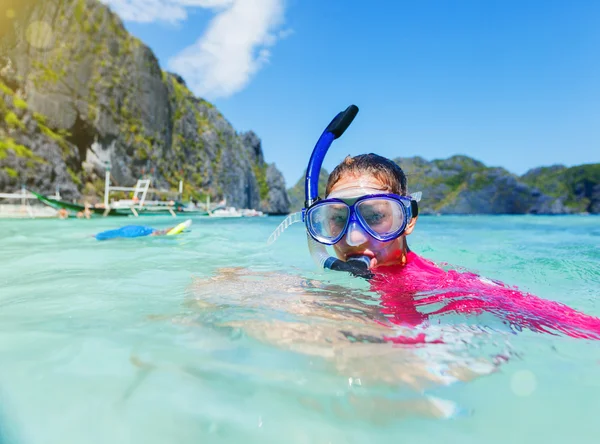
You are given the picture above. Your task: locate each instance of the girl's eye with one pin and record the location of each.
(374, 218)
(338, 219)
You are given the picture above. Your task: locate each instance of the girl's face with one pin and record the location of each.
(357, 241)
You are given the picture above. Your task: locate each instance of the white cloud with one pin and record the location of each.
(235, 45)
(172, 11)
(233, 48)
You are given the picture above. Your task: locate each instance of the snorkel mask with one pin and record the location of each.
(328, 220)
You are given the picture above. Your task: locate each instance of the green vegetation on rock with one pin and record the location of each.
(11, 173)
(13, 121)
(578, 186)
(5, 89)
(8, 144)
(19, 103)
(260, 172)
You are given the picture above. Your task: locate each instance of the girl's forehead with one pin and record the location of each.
(367, 181)
(351, 188)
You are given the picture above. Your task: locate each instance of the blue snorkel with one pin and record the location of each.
(356, 265)
(359, 265)
(334, 130)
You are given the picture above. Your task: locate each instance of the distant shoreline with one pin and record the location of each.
(18, 211)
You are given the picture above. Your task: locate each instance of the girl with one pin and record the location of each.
(368, 214)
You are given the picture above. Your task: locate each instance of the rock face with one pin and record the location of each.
(79, 94)
(578, 187)
(462, 185)
(277, 201)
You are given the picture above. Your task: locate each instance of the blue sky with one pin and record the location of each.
(513, 83)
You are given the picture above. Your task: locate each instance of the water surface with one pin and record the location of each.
(212, 336)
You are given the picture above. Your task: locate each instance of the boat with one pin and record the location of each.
(124, 209)
(226, 212)
(252, 213)
(69, 206)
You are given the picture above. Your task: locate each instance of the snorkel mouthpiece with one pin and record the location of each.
(356, 265)
(365, 260)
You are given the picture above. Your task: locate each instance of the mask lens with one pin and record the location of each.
(328, 220)
(383, 216)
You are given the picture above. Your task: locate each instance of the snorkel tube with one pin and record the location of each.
(334, 130)
(358, 266)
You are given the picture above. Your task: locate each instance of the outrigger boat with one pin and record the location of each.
(136, 206)
(61, 204)
(139, 206)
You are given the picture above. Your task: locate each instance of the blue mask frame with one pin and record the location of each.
(355, 216)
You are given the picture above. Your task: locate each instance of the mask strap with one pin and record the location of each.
(414, 208)
(415, 198)
(290, 220)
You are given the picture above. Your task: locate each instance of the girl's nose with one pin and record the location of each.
(356, 235)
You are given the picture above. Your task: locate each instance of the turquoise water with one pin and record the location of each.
(212, 336)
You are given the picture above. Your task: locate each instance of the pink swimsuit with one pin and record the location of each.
(403, 289)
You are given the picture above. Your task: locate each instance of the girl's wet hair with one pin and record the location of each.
(381, 168)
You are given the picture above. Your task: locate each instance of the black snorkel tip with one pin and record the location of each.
(357, 266)
(342, 121)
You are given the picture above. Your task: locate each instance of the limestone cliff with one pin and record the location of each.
(78, 94)
(578, 187)
(462, 185)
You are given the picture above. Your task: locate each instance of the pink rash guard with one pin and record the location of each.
(405, 288)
